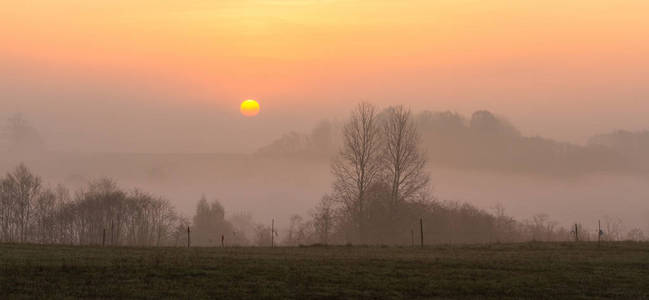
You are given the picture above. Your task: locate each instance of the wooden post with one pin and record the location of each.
(103, 239)
(576, 233)
(272, 234)
(599, 232)
(189, 244)
(421, 231)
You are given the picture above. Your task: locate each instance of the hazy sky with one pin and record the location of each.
(168, 75)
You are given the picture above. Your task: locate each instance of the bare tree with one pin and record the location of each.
(6, 212)
(44, 226)
(100, 212)
(323, 219)
(294, 236)
(404, 162)
(358, 164)
(21, 188)
(61, 215)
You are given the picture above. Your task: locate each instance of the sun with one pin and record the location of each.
(249, 108)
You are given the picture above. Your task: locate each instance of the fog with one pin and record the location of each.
(162, 111)
(482, 159)
(538, 107)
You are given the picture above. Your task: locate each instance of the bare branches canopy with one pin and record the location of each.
(380, 164)
(359, 163)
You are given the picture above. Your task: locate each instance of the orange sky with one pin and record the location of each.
(578, 61)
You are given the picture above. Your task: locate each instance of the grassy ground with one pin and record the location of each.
(532, 270)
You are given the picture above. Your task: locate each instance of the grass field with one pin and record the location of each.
(531, 270)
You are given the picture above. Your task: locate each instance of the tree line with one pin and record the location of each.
(486, 141)
(101, 213)
(381, 193)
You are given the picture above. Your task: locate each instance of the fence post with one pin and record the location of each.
(599, 232)
(576, 233)
(188, 238)
(421, 231)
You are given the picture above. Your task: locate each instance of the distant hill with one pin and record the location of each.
(488, 142)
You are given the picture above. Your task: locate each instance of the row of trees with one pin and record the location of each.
(487, 141)
(379, 195)
(381, 192)
(103, 213)
(452, 222)
(100, 213)
(320, 143)
(31, 212)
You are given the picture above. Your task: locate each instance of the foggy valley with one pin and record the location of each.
(482, 160)
(324, 149)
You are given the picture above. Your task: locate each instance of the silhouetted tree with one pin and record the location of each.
(403, 159)
(209, 223)
(358, 164)
(20, 191)
(299, 231)
(323, 219)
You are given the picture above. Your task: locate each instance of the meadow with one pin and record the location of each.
(528, 270)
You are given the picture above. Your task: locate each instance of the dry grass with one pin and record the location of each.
(530, 270)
